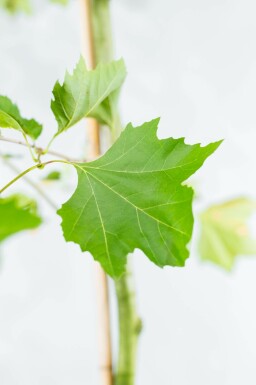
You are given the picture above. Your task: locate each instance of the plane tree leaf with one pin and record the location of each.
(133, 197)
(83, 92)
(17, 213)
(107, 113)
(10, 118)
(225, 232)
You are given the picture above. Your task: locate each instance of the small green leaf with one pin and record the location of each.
(133, 197)
(225, 232)
(52, 176)
(10, 118)
(17, 213)
(84, 91)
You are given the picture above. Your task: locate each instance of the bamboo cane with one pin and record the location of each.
(104, 328)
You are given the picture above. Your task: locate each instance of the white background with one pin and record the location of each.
(194, 64)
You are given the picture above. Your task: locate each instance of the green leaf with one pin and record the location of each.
(17, 213)
(10, 118)
(61, 2)
(16, 6)
(107, 113)
(84, 91)
(52, 176)
(225, 232)
(133, 197)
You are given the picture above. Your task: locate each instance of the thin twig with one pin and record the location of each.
(40, 150)
(31, 183)
(34, 167)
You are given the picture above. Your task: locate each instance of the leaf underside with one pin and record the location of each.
(87, 94)
(17, 213)
(225, 232)
(133, 197)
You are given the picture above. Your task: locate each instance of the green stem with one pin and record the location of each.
(129, 329)
(104, 48)
(102, 32)
(18, 177)
(129, 322)
(29, 148)
(36, 166)
(32, 184)
(42, 151)
(46, 151)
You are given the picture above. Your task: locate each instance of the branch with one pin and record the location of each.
(130, 326)
(40, 150)
(32, 184)
(36, 166)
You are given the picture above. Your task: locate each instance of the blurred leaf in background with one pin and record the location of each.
(17, 213)
(53, 176)
(23, 6)
(225, 232)
(62, 2)
(16, 6)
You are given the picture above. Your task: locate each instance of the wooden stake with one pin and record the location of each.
(89, 53)
(105, 351)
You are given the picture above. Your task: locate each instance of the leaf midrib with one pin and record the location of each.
(102, 225)
(104, 95)
(143, 171)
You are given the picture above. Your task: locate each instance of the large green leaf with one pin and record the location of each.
(17, 213)
(10, 118)
(133, 197)
(225, 232)
(83, 92)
